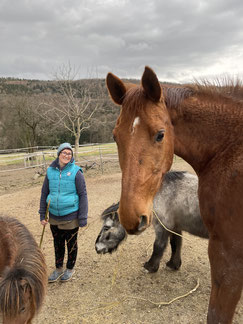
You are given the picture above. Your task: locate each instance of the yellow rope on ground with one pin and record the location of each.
(110, 305)
(159, 304)
(169, 302)
(115, 271)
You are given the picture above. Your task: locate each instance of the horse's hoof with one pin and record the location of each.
(150, 268)
(173, 266)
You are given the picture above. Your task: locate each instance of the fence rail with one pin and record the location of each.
(89, 156)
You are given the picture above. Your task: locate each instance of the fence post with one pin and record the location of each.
(44, 161)
(101, 162)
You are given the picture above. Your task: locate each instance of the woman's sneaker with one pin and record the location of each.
(68, 273)
(55, 275)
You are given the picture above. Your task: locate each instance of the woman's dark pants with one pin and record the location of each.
(61, 236)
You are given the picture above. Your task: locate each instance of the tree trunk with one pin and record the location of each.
(76, 147)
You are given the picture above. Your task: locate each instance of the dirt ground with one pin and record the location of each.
(113, 289)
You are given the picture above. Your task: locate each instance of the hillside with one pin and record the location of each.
(25, 104)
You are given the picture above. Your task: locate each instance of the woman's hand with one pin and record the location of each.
(44, 222)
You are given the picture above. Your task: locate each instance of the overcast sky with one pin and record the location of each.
(179, 39)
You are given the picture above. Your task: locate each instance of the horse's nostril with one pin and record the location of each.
(132, 232)
(143, 223)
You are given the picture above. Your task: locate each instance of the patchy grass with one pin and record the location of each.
(21, 159)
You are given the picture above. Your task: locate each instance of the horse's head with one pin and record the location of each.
(20, 305)
(112, 232)
(144, 137)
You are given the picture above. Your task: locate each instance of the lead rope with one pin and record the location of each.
(166, 228)
(110, 305)
(159, 304)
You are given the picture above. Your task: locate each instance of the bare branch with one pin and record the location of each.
(74, 107)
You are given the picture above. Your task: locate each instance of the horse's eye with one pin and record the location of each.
(159, 136)
(106, 228)
(22, 309)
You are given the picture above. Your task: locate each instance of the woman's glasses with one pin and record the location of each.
(66, 154)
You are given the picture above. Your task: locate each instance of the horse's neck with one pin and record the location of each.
(202, 131)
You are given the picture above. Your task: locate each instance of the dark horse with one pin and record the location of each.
(23, 273)
(203, 124)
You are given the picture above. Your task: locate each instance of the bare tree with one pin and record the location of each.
(28, 122)
(74, 106)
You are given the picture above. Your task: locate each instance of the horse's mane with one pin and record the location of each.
(225, 86)
(226, 89)
(113, 208)
(26, 269)
(175, 95)
(172, 176)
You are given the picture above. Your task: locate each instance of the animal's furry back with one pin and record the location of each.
(22, 269)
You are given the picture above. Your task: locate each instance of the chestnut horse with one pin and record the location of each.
(203, 124)
(23, 273)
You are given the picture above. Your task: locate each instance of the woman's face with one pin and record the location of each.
(65, 157)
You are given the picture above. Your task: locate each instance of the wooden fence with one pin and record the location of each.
(89, 157)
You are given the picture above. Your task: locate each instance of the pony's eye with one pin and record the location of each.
(22, 309)
(159, 136)
(106, 228)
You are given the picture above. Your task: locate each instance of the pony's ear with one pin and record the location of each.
(116, 88)
(151, 85)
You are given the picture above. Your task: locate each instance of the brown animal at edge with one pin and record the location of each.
(23, 273)
(203, 124)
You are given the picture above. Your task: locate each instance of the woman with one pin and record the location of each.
(64, 186)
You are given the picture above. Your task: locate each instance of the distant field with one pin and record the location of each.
(97, 158)
(47, 155)
(108, 148)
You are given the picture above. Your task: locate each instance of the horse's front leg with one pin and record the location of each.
(160, 243)
(227, 282)
(175, 260)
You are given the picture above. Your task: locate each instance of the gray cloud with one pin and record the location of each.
(179, 39)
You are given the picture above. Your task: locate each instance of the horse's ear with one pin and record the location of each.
(116, 88)
(151, 84)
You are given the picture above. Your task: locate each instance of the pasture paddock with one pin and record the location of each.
(108, 278)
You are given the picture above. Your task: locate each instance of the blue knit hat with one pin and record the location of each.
(64, 146)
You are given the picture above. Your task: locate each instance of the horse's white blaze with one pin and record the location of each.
(135, 123)
(109, 222)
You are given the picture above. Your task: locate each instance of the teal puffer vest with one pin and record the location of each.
(62, 190)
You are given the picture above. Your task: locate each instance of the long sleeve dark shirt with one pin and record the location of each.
(81, 214)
